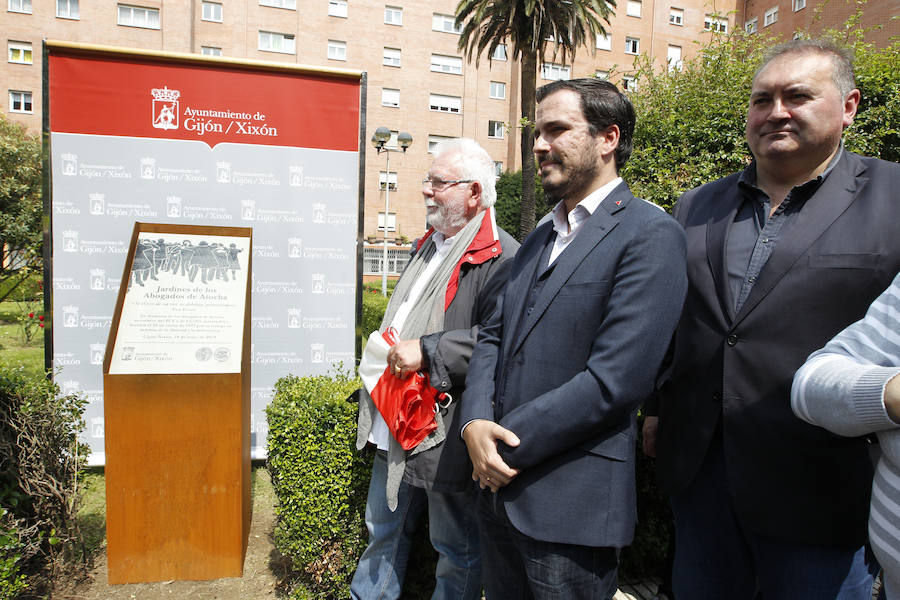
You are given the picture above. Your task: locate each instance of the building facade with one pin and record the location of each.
(417, 79)
(784, 18)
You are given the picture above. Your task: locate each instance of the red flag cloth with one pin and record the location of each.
(407, 405)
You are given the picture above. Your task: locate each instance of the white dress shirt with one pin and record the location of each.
(567, 226)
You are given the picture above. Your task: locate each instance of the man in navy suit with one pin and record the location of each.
(572, 350)
(781, 257)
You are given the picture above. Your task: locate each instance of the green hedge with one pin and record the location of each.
(320, 481)
(374, 305)
(41, 462)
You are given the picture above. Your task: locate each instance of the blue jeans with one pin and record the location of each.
(717, 557)
(519, 567)
(453, 533)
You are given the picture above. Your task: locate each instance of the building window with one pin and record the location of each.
(554, 72)
(633, 8)
(499, 52)
(20, 52)
(20, 102)
(604, 41)
(270, 41)
(673, 57)
(391, 221)
(391, 57)
(373, 257)
(393, 15)
(337, 50)
(498, 168)
(446, 64)
(770, 16)
(22, 6)
(602, 75)
(715, 24)
(450, 104)
(67, 9)
(387, 180)
(799, 5)
(751, 25)
(210, 51)
(498, 90)
(211, 11)
(390, 97)
(445, 23)
(337, 8)
(629, 83)
(138, 16)
(495, 129)
(290, 4)
(434, 140)
(632, 45)
(676, 16)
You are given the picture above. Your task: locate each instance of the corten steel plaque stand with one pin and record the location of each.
(177, 458)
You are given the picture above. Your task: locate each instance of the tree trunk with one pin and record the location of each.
(529, 79)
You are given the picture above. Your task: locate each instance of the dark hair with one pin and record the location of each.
(602, 105)
(841, 60)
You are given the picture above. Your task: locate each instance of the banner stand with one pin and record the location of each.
(178, 433)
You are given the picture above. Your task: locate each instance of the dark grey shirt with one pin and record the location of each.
(754, 234)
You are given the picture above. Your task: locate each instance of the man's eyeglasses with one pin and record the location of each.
(439, 185)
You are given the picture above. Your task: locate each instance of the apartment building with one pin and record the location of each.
(417, 79)
(783, 18)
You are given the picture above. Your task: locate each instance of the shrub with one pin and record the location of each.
(320, 480)
(41, 460)
(22, 286)
(374, 305)
(509, 200)
(12, 580)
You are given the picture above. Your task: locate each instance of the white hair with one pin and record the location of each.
(474, 163)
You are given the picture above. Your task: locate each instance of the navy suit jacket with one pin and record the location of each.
(568, 375)
(788, 479)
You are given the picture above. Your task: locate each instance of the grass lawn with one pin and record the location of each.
(15, 352)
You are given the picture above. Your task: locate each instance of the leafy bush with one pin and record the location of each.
(22, 286)
(20, 204)
(320, 480)
(12, 580)
(509, 200)
(41, 460)
(374, 305)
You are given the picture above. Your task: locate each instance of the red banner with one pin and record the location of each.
(200, 101)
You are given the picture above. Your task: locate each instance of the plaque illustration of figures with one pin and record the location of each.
(210, 261)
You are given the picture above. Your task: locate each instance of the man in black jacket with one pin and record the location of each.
(781, 257)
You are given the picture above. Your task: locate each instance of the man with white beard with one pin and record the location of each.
(447, 290)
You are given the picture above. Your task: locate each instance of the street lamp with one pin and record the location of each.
(380, 139)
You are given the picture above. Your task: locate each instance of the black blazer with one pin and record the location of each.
(568, 374)
(788, 479)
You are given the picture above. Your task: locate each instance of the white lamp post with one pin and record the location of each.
(380, 139)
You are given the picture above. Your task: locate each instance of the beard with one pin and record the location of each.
(569, 178)
(445, 218)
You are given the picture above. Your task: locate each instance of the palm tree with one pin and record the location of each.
(527, 26)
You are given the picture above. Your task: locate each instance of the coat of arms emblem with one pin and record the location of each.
(165, 108)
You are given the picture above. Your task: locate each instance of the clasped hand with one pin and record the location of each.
(488, 468)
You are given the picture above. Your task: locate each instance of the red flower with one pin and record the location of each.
(30, 315)
(40, 324)
(41, 318)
